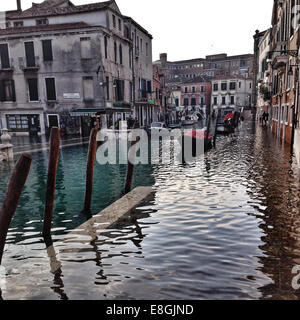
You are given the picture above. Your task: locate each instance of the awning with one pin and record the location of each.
(94, 112)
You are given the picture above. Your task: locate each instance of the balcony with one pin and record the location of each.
(280, 61)
(7, 67)
(26, 65)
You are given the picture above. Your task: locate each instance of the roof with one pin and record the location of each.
(138, 26)
(49, 27)
(200, 79)
(230, 77)
(57, 7)
(248, 55)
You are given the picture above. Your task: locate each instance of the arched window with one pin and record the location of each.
(121, 54)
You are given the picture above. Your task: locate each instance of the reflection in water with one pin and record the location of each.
(224, 227)
(274, 189)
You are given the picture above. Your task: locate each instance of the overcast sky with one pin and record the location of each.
(192, 28)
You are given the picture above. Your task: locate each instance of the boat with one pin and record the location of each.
(197, 134)
(174, 126)
(225, 122)
(190, 120)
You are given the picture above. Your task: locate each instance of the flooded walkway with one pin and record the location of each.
(225, 227)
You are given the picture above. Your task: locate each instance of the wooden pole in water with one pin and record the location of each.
(216, 129)
(51, 181)
(130, 166)
(90, 171)
(14, 190)
(208, 130)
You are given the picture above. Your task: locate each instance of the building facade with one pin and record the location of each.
(231, 92)
(278, 86)
(263, 84)
(62, 64)
(196, 94)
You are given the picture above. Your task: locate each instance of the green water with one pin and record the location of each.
(70, 189)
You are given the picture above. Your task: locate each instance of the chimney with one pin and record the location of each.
(163, 58)
(19, 5)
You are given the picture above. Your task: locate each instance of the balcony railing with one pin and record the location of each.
(34, 64)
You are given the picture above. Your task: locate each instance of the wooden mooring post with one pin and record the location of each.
(216, 129)
(51, 181)
(130, 165)
(12, 197)
(90, 171)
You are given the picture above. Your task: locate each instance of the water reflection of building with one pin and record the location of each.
(275, 194)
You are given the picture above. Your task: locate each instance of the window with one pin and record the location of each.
(215, 101)
(147, 49)
(7, 90)
(30, 54)
(42, 22)
(186, 102)
(232, 100)
(131, 91)
(287, 114)
(107, 88)
(223, 100)
(114, 21)
(88, 88)
(177, 102)
(141, 46)
(121, 54)
(216, 87)
(17, 122)
(4, 56)
(232, 86)
(193, 102)
(193, 89)
(47, 50)
(120, 25)
(50, 89)
(105, 47)
(240, 85)
(202, 89)
(250, 85)
(116, 53)
(202, 101)
(186, 90)
(130, 58)
(149, 87)
(119, 90)
(224, 86)
(33, 89)
(18, 24)
(85, 48)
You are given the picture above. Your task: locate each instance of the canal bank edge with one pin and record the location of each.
(107, 217)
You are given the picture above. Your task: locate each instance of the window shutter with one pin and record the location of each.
(13, 89)
(47, 50)
(2, 95)
(50, 86)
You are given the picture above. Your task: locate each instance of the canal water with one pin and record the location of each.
(224, 227)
